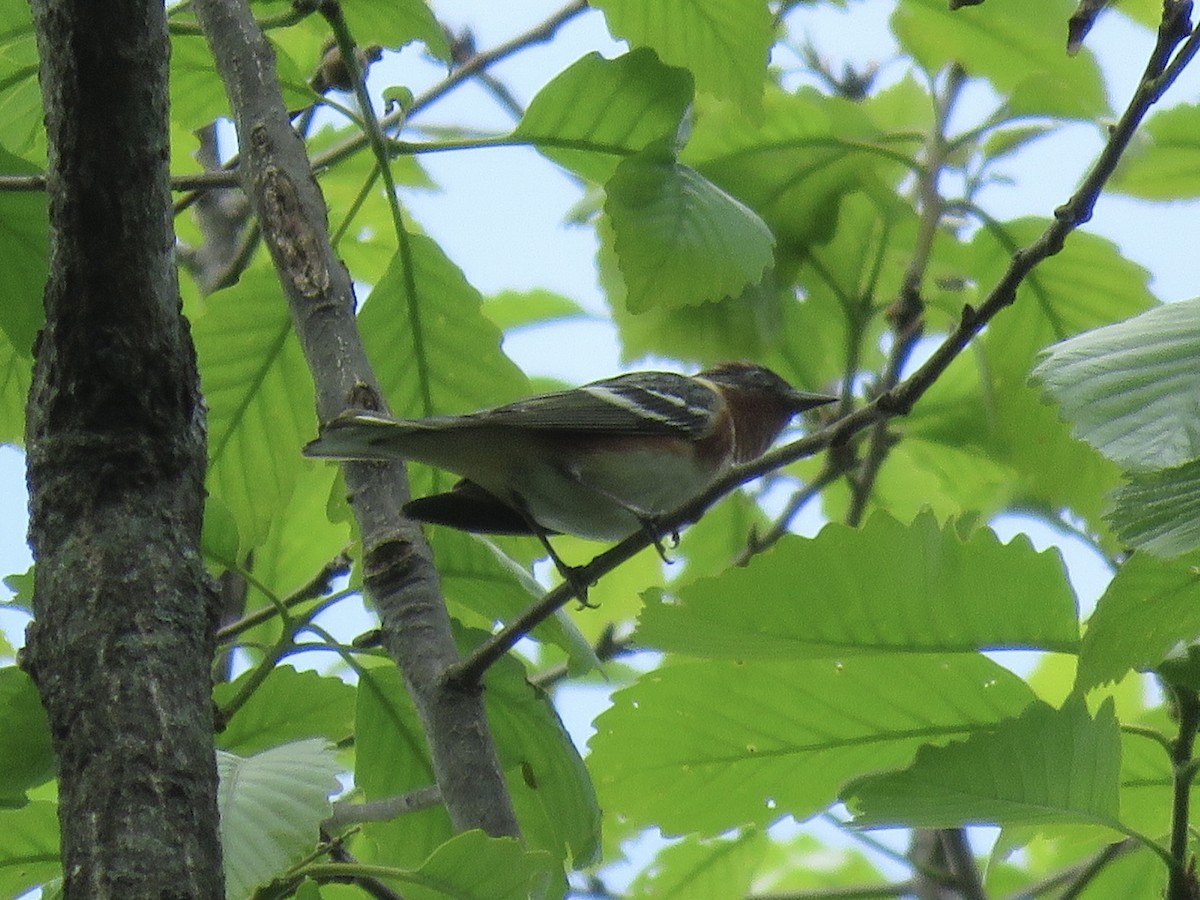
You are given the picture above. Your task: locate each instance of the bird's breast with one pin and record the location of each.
(604, 491)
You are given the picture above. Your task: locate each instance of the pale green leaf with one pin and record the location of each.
(546, 779)
(1163, 163)
(29, 853)
(510, 310)
(260, 401)
(16, 375)
(1019, 46)
(1045, 767)
(700, 868)
(24, 134)
(1129, 389)
(476, 574)
(725, 44)
(301, 542)
(884, 587)
(1150, 607)
(26, 756)
(1159, 512)
(680, 240)
(287, 706)
(24, 225)
(1089, 284)
(395, 23)
(198, 94)
(794, 166)
(807, 863)
(271, 806)
(741, 327)
(600, 110)
(740, 731)
(433, 350)
(474, 866)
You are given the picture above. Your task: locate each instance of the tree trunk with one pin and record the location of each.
(123, 637)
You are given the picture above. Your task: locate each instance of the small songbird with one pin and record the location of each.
(600, 461)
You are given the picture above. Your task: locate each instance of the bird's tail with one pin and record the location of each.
(364, 436)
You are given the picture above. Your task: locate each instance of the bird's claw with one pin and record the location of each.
(650, 527)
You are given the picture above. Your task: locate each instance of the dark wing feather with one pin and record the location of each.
(645, 403)
(468, 507)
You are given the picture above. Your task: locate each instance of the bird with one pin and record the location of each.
(600, 461)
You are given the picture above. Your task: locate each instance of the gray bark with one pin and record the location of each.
(123, 636)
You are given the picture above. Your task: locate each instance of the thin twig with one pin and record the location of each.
(339, 565)
(347, 813)
(1181, 881)
(907, 313)
(865, 892)
(1076, 878)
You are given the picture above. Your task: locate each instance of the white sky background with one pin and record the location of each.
(499, 214)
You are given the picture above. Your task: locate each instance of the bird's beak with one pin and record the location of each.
(803, 400)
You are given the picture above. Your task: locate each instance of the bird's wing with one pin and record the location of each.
(645, 403)
(641, 404)
(469, 507)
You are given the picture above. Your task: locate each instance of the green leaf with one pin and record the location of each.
(610, 108)
(1018, 47)
(473, 866)
(26, 755)
(680, 240)
(699, 868)
(271, 807)
(1129, 389)
(983, 404)
(885, 587)
(805, 863)
(1045, 767)
(711, 546)
(20, 97)
(434, 352)
(16, 375)
(1163, 163)
(1006, 141)
(198, 94)
(794, 167)
(550, 787)
(1090, 283)
(260, 401)
(24, 225)
(476, 574)
(741, 327)
(391, 758)
(29, 853)
(287, 706)
(395, 23)
(725, 44)
(1159, 512)
(1150, 606)
(21, 584)
(740, 731)
(510, 310)
(546, 779)
(302, 541)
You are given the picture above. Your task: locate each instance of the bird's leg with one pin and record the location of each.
(651, 530)
(572, 575)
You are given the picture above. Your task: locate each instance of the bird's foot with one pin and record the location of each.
(652, 531)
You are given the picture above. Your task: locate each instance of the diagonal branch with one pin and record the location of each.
(1164, 67)
(398, 566)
